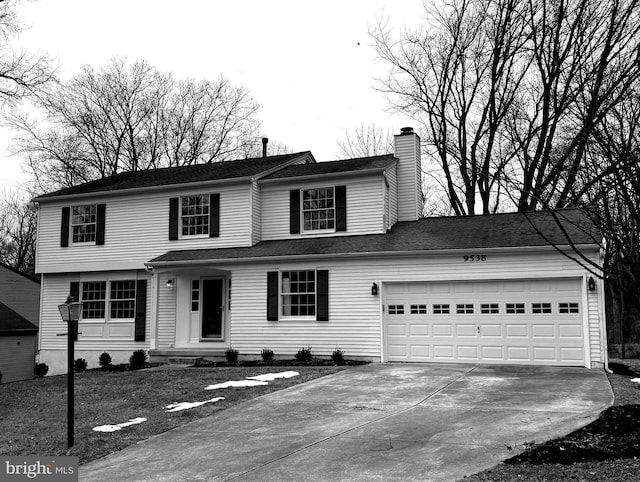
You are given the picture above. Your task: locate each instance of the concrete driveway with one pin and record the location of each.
(374, 422)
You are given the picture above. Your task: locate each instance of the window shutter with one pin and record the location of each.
(64, 227)
(341, 208)
(100, 222)
(141, 309)
(294, 211)
(74, 290)
(173, 218)
(272, 296)
(322, 295)
(214, 215)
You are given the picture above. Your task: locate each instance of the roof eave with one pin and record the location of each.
(328, 175)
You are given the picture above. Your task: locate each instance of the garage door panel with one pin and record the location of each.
(468, 321)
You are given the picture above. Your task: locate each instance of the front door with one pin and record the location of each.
(212, 308)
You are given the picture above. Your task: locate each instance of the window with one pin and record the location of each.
(396, 309)
(298, 293)
(441, 309)
(489, 309)
(515, 308)
(195, 294)
(94, 295)
(83, 223)
(565, 308)
(121, 300)
(464, 309)
(194, 215)
(318, 209)
(540, 308)
(418, 309)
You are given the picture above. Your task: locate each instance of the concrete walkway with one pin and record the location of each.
(375, 422)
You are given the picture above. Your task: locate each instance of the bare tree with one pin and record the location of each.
(18, 223)
(364, 141)
(21, 72)
(510, 93)
(129, 117)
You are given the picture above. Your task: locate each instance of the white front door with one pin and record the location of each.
(534, 322)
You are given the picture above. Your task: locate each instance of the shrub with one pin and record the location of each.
(304, 355)
(138, 359)
(338, 356)
(104, 360)
(40, 369)
(79, 365)
(231, 355)
(267, 355)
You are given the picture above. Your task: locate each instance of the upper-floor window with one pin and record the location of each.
(194, 215)
(318, 209)
(84, 221)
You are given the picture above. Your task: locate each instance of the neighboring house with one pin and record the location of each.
(19, 311)
(282, 252)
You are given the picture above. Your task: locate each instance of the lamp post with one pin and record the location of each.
(70, 312)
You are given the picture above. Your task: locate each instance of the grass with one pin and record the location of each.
(33, 413)
(606, 449)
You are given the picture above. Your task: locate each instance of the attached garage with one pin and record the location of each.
(528, 322)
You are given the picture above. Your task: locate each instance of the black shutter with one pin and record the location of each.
(100, 222)
(272, 296)
(341, 208)
(64, 227)
(141, 309)
(322, 295)
(214, 215)
(74, 290)
(173, 218)
(294, 211)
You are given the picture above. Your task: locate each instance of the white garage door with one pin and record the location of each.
(533, 322)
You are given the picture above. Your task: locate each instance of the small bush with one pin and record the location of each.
(267, 355)
(304, 355)
(231, 355)
(40, 369)
(79, 365)
(138, 359)
(104, 360)
(338, 356)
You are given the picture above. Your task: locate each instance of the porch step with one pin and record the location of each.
(183, 360)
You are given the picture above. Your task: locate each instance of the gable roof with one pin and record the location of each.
(242, 168)
(427, 234)
(30, 277)
(11, 323)
(343, 166)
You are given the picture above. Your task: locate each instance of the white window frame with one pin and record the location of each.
(107, 301)
(303, 229)
(282, 293)
(182, 217)
(73, 225)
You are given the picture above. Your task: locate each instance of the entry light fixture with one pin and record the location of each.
(374, 289)
(170, 284)
(592, 284)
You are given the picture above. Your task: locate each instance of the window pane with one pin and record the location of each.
(195, 215)
(318, 209)
(122, 299)
(298, 295)
(83, 223)
(93, 299)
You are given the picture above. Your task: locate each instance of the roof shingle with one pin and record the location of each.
(347, 165)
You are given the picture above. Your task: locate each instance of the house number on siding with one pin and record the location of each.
(474, 257)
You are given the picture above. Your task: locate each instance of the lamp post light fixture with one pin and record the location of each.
(70, 311)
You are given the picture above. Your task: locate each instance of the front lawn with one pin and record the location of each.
(606, 449)
(33, 413)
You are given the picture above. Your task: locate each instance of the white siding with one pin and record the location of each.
(392, 178)
(167, 310)
(137, 230)
(17, 357)
(256, 213)
(365, 209)
(407, 150)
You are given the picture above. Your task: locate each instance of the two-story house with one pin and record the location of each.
(282, 252)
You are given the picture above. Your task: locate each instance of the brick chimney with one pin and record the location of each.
(410, 198)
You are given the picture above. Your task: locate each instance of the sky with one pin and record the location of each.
(310, 64)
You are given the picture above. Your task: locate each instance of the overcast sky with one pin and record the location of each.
(310, 64)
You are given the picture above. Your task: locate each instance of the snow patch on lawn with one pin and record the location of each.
(119, 426)
(236, 383)
(269, 377)
(177, 407)
(635, 380)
